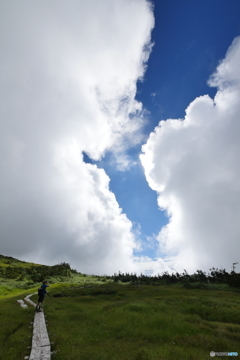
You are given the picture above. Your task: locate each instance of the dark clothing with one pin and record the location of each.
(42, 292)
(44, 286)
(41, 298)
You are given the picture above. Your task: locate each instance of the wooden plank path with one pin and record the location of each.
(41, 347)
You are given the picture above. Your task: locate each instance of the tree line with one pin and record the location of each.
(215, 276)
(200, 279)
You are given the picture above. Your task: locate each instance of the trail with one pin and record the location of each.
(41, 347)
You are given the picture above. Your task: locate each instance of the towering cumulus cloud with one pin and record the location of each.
(68, 82)
(194, 166)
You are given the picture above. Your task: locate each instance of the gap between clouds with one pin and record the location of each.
(68, 83)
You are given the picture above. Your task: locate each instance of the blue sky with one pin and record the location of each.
(190, 38)
(99, 133)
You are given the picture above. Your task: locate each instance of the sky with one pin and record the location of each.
(119, 134)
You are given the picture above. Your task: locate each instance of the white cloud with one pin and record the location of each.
(194, 166)
(68, 83)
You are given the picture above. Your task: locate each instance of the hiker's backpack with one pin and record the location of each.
(40, 291)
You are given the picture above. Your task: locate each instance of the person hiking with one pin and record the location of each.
(41, 294)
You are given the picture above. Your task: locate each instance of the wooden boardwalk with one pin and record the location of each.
(41, 347)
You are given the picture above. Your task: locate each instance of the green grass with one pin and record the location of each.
(6, 261)
(11, 287)
(143, 322)
(15, 334)
(112, 321)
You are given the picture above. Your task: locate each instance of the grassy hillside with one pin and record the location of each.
(17, 276)
(112, 321)
(6, 261)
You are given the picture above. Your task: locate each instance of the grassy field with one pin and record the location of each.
(112, 321)
(15, 334)
(142, 322)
